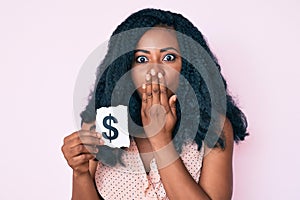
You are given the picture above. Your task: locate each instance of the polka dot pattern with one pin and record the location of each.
(132, 182)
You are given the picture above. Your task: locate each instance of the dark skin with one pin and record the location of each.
(160, 51)
(155, 73)
(79, 151)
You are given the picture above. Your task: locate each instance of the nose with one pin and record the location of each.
(155, 68)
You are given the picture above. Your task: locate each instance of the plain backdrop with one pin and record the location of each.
(43, 45)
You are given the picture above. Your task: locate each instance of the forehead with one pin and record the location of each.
(158, 38)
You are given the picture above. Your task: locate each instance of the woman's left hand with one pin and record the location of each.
(158, 111)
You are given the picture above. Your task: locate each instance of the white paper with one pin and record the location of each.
(112, 122)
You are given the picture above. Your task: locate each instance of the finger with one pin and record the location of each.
(80, 149)
(163, 92)
(71, 151)
(80, 137)
(92, 149)
(91, 126)
(90, 133)
(88, 140)
(155, 87)
(172, 103)
(81, 133)
(80, 159)
(148, 90)
(144, 97)
(85, 140)
(71, 137)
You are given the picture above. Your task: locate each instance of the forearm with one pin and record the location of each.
(84, 187)
(177, 181)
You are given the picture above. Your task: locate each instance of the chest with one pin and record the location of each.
(131, 180)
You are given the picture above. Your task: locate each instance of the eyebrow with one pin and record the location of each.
(161, 50)
(142, 50)
(168, 48)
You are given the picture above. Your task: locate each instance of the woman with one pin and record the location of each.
(164, 54)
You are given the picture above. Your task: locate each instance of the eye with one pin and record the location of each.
(169, 57)
(141, 59)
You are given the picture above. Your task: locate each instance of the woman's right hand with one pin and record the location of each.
(79, 148)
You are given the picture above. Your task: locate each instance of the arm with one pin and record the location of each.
(177, 181)
(84, 187)
(79, 151)
(159, 121)
(216, 173)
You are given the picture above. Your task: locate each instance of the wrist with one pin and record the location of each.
(166, 155)
(160, 141)
(80, 175)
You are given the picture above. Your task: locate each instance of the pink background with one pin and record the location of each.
(43, 45)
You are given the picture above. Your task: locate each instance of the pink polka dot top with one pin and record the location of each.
(132, 182)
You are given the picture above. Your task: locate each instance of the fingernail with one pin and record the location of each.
(148, 77)
(152, 72)
(159, 75)
(99, 135)
(144, 86)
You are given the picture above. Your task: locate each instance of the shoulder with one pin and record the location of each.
(218, 156)
(227, 132)
(217, 166)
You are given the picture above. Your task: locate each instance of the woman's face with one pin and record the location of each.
(157, 52)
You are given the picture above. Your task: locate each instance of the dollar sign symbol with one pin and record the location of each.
(110, 128)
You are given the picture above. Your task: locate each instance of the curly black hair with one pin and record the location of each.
(195, 54)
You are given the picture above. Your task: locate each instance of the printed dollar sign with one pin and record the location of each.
(110, 128)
